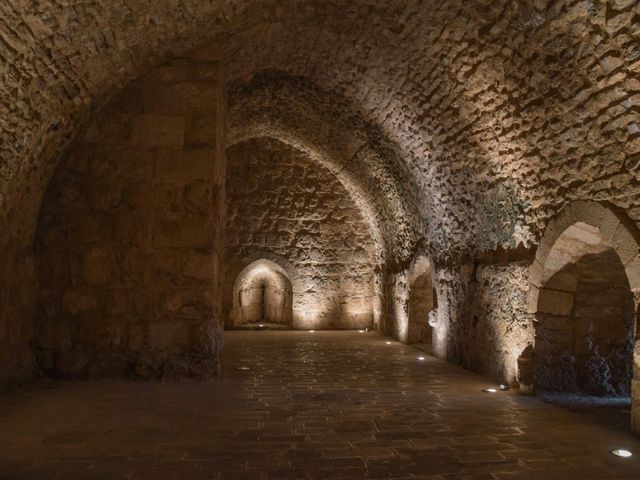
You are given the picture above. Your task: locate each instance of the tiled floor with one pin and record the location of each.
(322, 405)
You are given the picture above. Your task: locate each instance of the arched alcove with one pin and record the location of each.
(585, 318)
(584, 289)
(413, 308)
(262, 295)
(422, 303)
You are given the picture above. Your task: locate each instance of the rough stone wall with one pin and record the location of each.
(18, 301)
(129, 234)
(421, 302)
(281, 203)
(410, 300)
(453, 291)
(498, 328)
(468, 95)
(263, 297)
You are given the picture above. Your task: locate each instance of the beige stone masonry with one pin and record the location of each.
(134, 219)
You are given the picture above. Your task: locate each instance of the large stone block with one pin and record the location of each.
(110, 129)
(199, 266)
(168, 336)
(554, 302)
(194, 302)
(185, 166)
(202, 130)
(185, 232)
(77, 301)
(201, 198)
(182, 99)
(175, 72)
(157, 130)
(625, 244)
(632, 270)
(100, 265)
(104, 196)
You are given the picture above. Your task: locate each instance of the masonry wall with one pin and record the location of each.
(283, 205)
(18, 300)
(129, 234)
(497, 327)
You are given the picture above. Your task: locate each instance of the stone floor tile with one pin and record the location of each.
(334, 405)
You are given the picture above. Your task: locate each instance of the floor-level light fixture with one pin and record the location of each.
(621, 452)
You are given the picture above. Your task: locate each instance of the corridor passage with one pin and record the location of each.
(302, 405)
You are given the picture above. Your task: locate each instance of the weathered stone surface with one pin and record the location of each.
(498, 328)
(127, 249)
(281, 204)
(460, 125)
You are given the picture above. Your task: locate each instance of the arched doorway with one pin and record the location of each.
(422, 302)
(262, 296)
(583, 294)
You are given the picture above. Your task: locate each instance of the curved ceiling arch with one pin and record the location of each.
(323, 126)
(479, 96)
(369, 212)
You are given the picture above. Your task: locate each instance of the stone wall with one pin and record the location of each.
(497, 328)
(282, 204)
(262, 295)
(129, 234)
(411, 301)
(18, 301)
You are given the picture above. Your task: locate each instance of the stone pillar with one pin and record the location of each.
(452, 285)
(18, 300)
(132, 232)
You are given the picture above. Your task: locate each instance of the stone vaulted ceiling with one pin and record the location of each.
(481, 118)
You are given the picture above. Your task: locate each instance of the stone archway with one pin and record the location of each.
(422, 302)
(414, 304)
(585, 286)
(262, 295)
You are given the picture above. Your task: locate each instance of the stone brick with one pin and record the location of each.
(625, 244)
(132, 226)
(79, 301)
(99, 266)
(282, 205)
(633, 272)
(190, 232)
(556, 303)
(157, 130)
(185, 165)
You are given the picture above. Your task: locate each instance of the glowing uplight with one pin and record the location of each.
(360, 331)
(489, 390)
(312, 331)
(421, 358)
(621, 452)
(244, 368)
(388, 343)
(261, 325)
